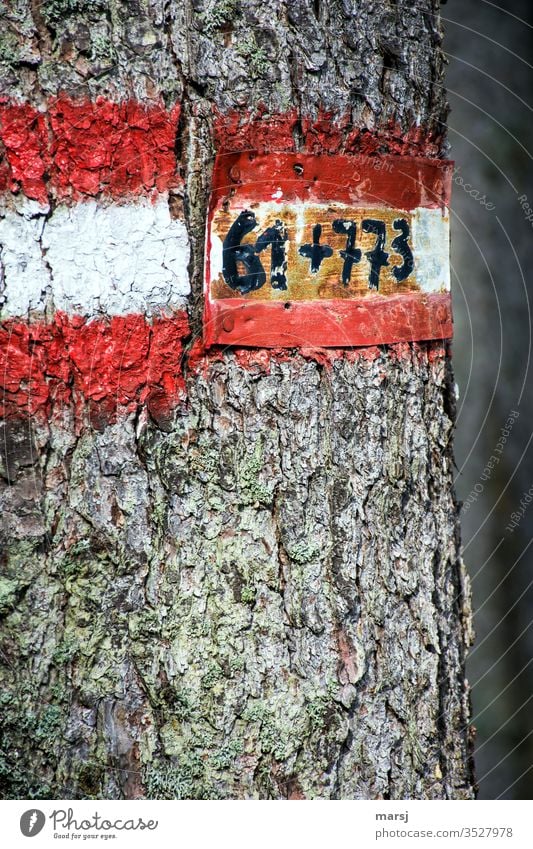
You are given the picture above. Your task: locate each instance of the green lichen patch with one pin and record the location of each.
(180, 778)
(317, 710)
(253, 491)
(55, 11)
(28, 736)
(304, 551)
(248, 594)
(218, 15)
(90, 779)
(9, 48)
(65, 651)
(256, 57)
(212, 676)
(226, 756)
(8, 593)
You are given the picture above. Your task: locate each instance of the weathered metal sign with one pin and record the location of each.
(327, 251)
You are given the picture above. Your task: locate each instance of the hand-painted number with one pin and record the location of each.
(233, 253)
(401, 246)
(275, 236)
(377, 257)
(350, 254)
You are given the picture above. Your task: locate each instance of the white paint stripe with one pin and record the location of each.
(91, 259)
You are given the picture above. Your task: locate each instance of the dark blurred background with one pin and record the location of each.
(490, 84)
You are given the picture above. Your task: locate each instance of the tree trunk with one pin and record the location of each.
(260, 595)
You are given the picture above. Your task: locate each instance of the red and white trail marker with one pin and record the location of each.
(327, 251)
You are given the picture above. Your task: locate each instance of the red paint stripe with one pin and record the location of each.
(78, 148)
(110, 364)
(102, 368)
(324, 134)
(393, 181)
(83, 148)
(329, 324)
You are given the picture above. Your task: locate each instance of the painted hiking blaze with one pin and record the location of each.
(327, 251)
(304, 250)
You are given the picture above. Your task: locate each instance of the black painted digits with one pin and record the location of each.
(233, 252)
(275, 236)
(400, 246)
(316, 252)
(377, 257)
(351, 254)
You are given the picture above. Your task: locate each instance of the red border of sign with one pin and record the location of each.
(394, 181)
(330, 324)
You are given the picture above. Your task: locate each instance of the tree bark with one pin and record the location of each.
(263, 597)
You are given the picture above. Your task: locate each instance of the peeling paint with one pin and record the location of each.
(264, 132)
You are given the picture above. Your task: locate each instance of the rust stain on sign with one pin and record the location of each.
(327, 251)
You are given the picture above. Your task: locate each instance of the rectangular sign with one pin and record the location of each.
(327, 251)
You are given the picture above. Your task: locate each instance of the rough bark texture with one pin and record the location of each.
(265, 598)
